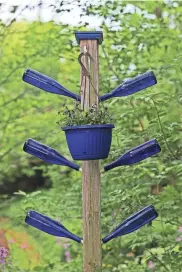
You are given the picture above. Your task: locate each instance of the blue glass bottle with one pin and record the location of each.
(132, 223)
(131, 86)
(49, 226)
(47, 83)
(47, 154)
(136, 154)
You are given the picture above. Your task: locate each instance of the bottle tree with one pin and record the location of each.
(91, 203)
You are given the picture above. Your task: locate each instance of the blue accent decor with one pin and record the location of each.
(47, 84)
(47, 154)
(89, 142)
(131, 86)
(89, 35)
(49, 226)
(136, 154)
(132, 223)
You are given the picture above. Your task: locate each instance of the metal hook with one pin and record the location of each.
(85, 71)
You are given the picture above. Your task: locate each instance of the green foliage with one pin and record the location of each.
(77, 116)
(138, 36)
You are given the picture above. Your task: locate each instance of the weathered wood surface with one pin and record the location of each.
(92, 253)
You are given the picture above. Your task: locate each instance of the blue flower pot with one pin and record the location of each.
(89, 142)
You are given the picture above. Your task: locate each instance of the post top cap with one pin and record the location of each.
(89, 35)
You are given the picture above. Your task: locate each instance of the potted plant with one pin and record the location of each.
(88, 133)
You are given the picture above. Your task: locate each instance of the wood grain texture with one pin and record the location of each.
(92, 252)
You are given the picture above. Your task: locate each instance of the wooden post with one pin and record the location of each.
(92, 250)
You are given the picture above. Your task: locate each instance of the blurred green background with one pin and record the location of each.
(138, 36)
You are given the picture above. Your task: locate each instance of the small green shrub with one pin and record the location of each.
(76, 116)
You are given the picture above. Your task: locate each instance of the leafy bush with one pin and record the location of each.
(141, 35)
